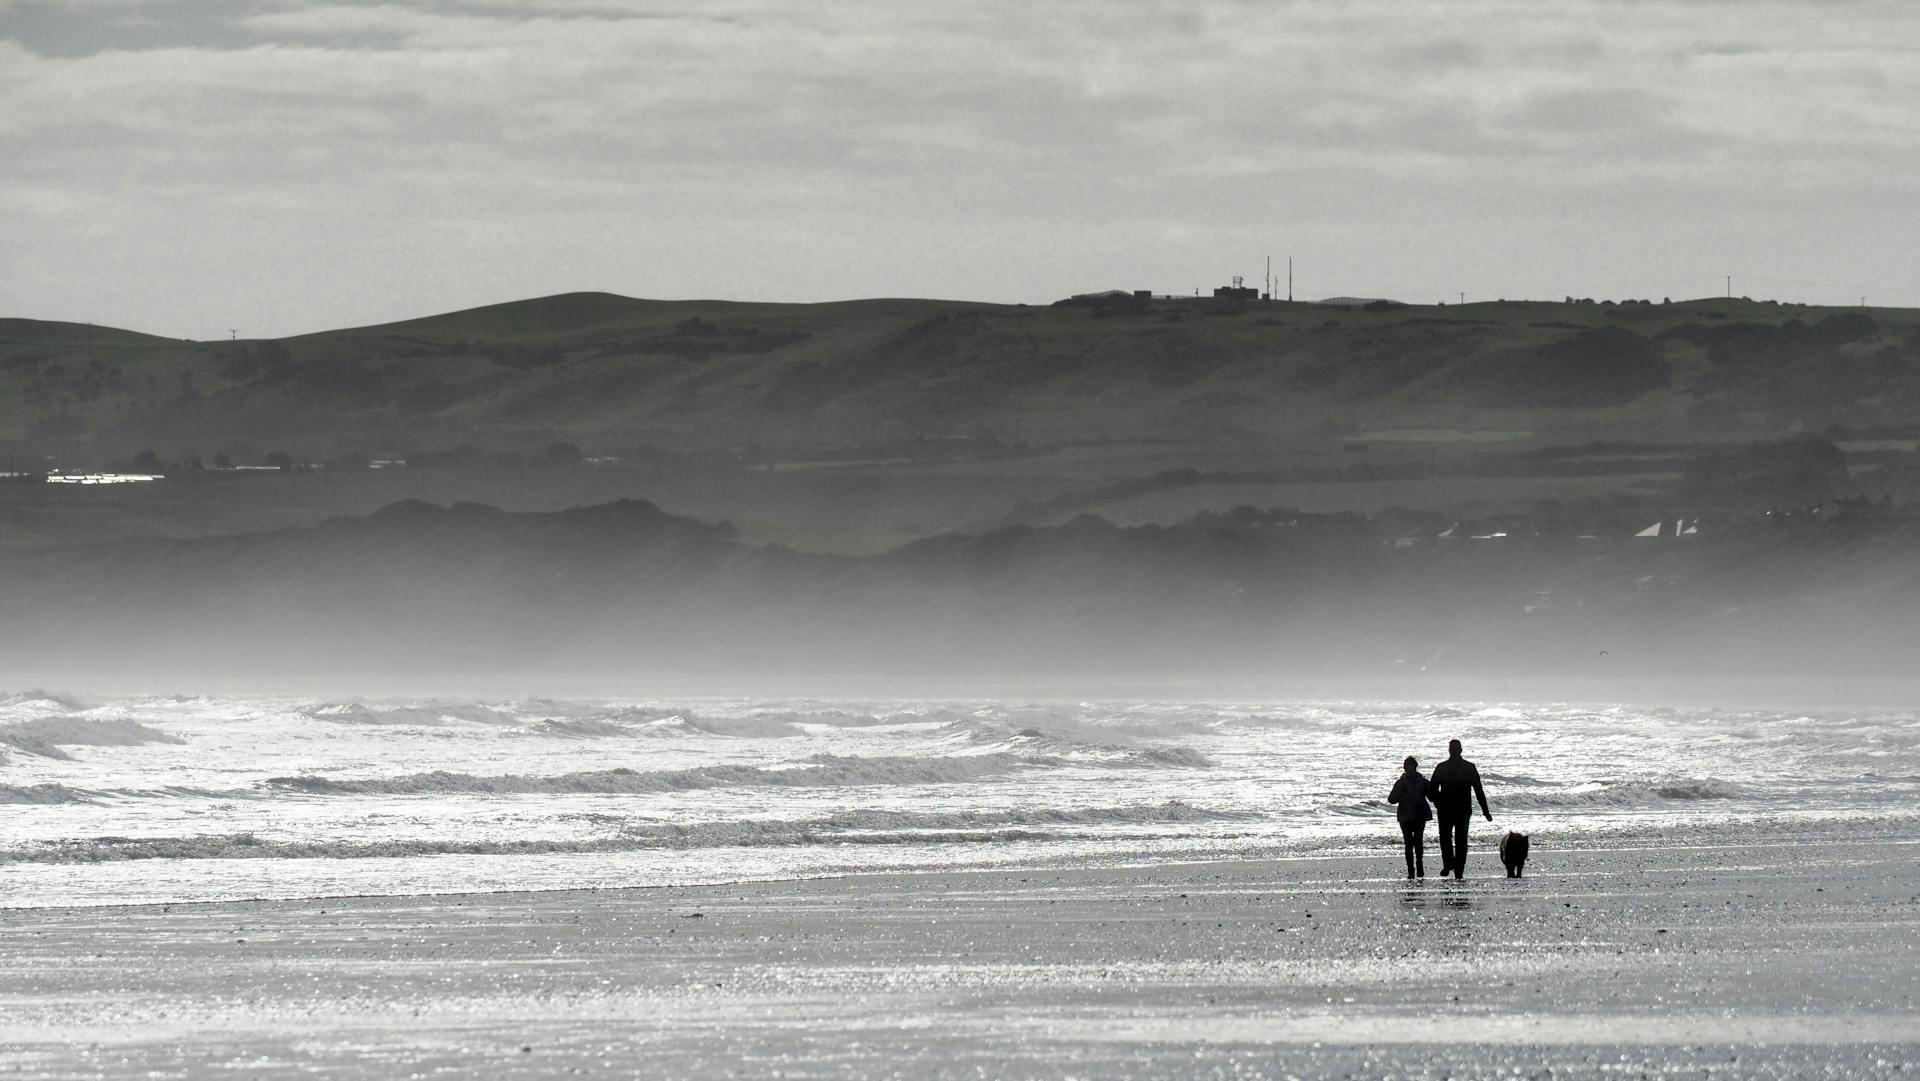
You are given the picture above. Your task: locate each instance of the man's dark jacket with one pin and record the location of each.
(1453, 787)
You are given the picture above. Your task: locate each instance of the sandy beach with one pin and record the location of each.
(1699, 954)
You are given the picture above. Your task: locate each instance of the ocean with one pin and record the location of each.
(118, 800)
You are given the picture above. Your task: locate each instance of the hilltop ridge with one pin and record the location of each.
(612, 374)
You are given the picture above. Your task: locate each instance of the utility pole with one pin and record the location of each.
(1289, 279)
(1729, 287)
(1463, 297)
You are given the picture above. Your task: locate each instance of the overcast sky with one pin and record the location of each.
(280, 166)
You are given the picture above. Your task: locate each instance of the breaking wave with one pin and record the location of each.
(750, 726)
(565, 720)
(40, 794)
(1034, 727)
(852, 827)
(1172, 811)
(823, 770)
(581, 728)
(45, 736)
(762, 724)
(1062, 736)
(1699, 788)
(1528, 795)
(429, 716)
(1626, 794)
(1170, 757)
(39, 699)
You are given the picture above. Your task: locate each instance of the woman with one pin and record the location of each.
(1410, 792)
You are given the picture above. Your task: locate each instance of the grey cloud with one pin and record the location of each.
(1728, 48)
(1447, 55)
(67, 30)
(841, 123)
(1584, 113)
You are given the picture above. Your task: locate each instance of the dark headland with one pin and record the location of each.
(1177, 488)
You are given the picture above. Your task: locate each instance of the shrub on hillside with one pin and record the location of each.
(1597, 367)
(1797, 472)
(430, 396)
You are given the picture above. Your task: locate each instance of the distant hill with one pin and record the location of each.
(611, 374)
(1360, 302)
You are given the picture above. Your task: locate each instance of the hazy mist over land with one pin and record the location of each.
(1107, 488)
(621, 587)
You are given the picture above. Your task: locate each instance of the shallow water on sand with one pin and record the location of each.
(1718, 959)
(115, 800)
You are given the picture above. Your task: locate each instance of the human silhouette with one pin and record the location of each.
(1410, 794)
(1453, 787)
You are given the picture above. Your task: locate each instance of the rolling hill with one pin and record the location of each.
(614, 375)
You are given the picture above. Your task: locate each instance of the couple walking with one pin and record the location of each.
(1451, 790)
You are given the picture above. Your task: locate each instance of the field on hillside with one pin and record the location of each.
(862, 507)
(821, 510)
(1455, 495)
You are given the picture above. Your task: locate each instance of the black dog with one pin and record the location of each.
(1513, 853)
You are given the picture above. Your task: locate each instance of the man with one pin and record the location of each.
(1452, 788)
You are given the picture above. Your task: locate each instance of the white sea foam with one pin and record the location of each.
(447, 794)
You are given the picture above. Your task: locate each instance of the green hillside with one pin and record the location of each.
(615, 375)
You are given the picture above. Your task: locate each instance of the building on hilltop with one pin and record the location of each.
(1239, 290)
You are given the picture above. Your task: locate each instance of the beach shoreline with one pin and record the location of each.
(1710, 952)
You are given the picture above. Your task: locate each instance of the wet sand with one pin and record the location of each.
(1697, 955)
